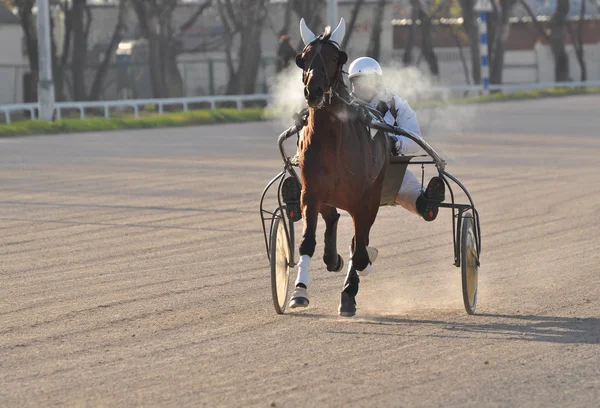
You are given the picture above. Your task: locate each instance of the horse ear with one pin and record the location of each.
(343, 58)
(300, 61)
(307, 35)
(338, 34)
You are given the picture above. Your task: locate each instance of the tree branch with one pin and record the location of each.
(67, 36)
(231, 13)
(192, 20)
(89, 18)
(287, 18)
(352, 22)
(537, 24)
(461, 54)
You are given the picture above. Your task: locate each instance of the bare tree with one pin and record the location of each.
(28, 25)
(555, 37)
(407, 59)
(578, 41)
(244, 19)
(427, 43)
(155, 22)
(374, 48)
(351, 23)
(310, 10)
(557, 40)
(422, 21)
(116, 38)
(287, 19)
(456, 36)
(74, 54)
(472, 29)
(498, 35)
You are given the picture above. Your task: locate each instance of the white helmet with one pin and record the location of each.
(364, 66)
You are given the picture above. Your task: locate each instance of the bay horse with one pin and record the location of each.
(341, 166)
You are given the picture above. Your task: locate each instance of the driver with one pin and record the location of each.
(366, 79)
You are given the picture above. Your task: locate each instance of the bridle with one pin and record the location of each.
(331, 85)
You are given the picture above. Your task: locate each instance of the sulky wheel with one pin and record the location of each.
(469, 263)
(280, 262)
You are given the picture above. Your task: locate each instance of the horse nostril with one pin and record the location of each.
(319, 93)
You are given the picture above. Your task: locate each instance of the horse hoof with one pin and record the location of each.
(373, 252)
(347, 305)
(299, 298)
(339, 267)
(298, 302)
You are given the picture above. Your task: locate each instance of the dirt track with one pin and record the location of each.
(133, 273)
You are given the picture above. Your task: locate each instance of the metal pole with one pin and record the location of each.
(483, 51)
(332, 13)
(46, 83)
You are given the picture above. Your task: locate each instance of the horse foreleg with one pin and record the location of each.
(310, 214)
(332, 259)
(359, 263)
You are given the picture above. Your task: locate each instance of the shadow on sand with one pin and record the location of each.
(566, 330)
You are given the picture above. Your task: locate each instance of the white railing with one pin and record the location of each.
(134, 104)
(137, 104)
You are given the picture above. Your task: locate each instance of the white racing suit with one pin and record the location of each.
(397, 112)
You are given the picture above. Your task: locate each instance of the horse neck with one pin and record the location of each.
(321, 122)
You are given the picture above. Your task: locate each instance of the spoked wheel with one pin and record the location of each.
(280, 262)
(469, 263)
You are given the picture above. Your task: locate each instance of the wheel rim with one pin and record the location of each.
(469, 265)
(471, 269)
(282, 269)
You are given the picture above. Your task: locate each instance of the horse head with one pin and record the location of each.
(321, 62)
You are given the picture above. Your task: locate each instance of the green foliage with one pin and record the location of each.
(93, 124)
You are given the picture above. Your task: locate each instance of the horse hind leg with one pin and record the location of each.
(332, 259)
(310, 211)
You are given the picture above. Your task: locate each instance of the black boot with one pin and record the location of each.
(428, 202)
(290, 194)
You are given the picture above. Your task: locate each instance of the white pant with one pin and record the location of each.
(410, 190)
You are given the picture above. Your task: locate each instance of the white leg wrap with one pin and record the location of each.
(366, 272)
(303, 267)
(410, 190)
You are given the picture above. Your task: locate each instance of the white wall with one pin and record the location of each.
(591, 55)
(520, 66)
(11, 90)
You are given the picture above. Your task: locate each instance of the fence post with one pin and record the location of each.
(211, 77)
(263, 66)
(483, 6)
(185, 84)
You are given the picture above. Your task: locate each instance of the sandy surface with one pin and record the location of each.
(134, 273)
